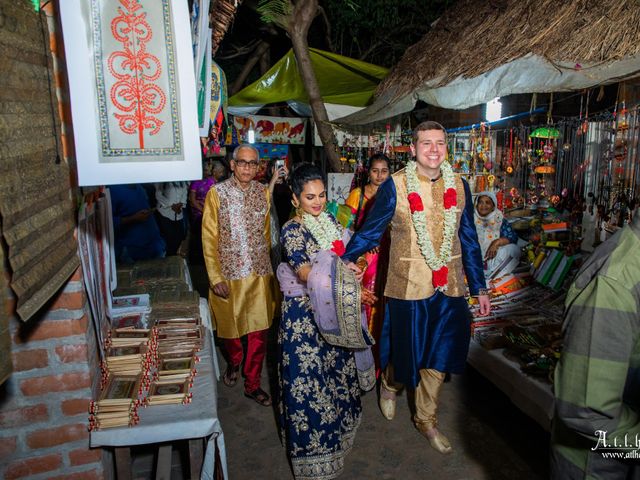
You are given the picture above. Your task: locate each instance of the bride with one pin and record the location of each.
(324, 346)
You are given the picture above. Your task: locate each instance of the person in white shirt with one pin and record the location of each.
(171, 198)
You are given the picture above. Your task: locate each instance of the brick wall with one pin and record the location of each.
(43, 405)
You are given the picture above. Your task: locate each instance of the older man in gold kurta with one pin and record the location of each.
(235, 242)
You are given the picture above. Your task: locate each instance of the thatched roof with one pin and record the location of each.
(222, 14)
(474, 37)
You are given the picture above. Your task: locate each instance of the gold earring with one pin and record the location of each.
(298, 210)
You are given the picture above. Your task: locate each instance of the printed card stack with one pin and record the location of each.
(169, 391)
(118, 403)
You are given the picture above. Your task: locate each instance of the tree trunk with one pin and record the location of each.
(265, 64)
(303, 14)
(248, 66)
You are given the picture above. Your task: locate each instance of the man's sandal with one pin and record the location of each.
(230, 377)
(259, 396)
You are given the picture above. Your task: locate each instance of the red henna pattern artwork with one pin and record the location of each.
(135, 70)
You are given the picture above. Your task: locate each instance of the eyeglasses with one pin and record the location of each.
(244, 164)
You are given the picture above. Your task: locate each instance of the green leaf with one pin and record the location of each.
(275, 11)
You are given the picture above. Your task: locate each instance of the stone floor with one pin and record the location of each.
(492, 439)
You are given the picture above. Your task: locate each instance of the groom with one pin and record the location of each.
(433, 245)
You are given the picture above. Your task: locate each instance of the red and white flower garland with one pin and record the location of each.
(437, 262)
(325, 231)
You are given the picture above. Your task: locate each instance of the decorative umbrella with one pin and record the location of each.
(545, 132)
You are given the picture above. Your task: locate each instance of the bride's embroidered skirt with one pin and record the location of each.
(319, 403)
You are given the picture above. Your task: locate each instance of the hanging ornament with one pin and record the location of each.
(623, 121)
(564, 193)
(386, 149)
(491, 179)
(509, 168)
(585, 123)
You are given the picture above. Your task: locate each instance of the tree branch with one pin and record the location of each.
(248, 66)
(327, 31)
(386, 39)
(239, 51)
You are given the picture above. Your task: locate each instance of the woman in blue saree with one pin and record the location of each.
(325, 357)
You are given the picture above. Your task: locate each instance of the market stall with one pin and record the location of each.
(158, 368)
(564, 188)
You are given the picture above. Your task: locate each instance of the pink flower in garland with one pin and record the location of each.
(440, 277)
(450, 198)
(415, 202)
(338, 248)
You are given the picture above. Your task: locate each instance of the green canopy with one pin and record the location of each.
(342, 81)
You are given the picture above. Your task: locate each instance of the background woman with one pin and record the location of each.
(171, 200)
(498, 241)
(361, 199)
(320, 382)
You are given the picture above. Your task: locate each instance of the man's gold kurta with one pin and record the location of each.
(235, 242)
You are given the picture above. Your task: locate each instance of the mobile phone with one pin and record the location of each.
(280, 164)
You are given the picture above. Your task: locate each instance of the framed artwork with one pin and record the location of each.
(169, 391)
(170, 366)
(128, 332)
(290, 130)
(178, 322)
(135, 320)
(339, 186)
(120, 390)
(173, 388)
(174, 345)
(179, 333)
(126, 350)
(179, 354)
(130, 301)
(133, 95)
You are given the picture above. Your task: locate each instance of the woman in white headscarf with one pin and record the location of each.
(498, 241)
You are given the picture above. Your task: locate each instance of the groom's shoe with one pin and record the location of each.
(440, 443)
(387, 405)
(436, 438)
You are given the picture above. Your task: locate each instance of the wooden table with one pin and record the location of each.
(162, 425)
(534, 397)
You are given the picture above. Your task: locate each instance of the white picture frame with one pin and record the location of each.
(94, 166)
(339, 187)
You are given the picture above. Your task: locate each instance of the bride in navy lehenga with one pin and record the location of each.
(325, 359)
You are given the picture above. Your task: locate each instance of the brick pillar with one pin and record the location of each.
(43, 405)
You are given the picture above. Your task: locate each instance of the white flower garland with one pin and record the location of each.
(434, 261)
(323, 229)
